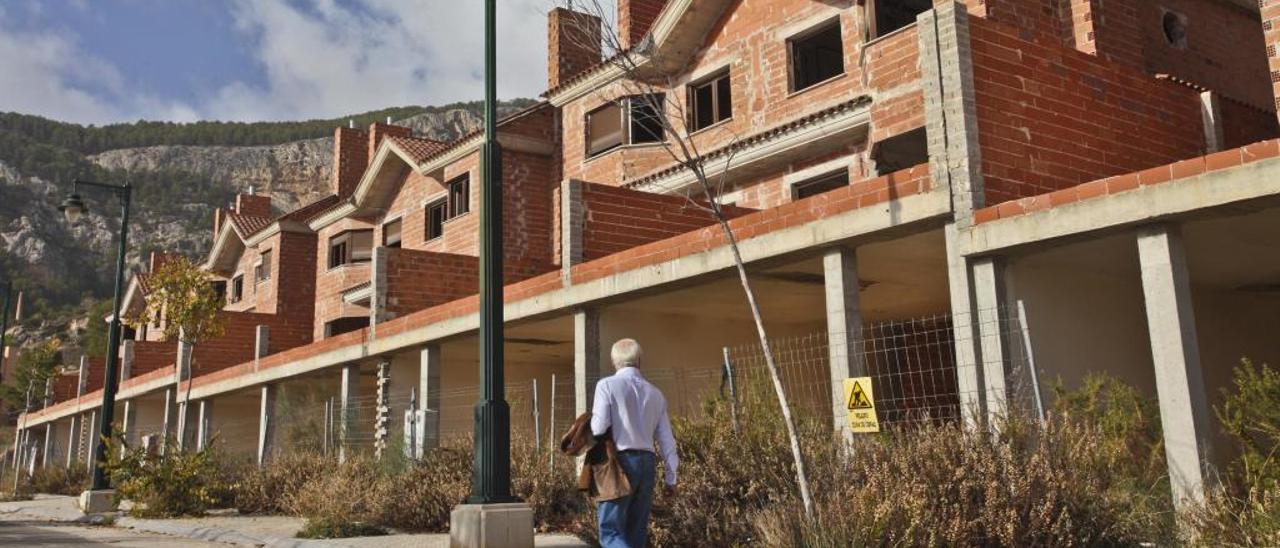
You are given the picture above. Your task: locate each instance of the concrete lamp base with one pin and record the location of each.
(491, 526)
(97, 502)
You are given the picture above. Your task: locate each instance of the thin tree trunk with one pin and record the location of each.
(802, 477)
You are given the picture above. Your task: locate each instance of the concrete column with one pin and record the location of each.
(48, 444)
(129, 424)
(587, 365)
(73, 439)
(429, 368)
(844, 329)
(1211, 114)
(126, 360)
(266, 422)
(964, 333)
(382, 419)
(572, 220)
(91, 440)
(346, 418)
(204, 426)
(167, 426)
(1184, 405)
(988, 293)
(262, 343)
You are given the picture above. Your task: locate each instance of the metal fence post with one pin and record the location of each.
(1031, 361)
(551, 428)
(733, 389)
(537, 420)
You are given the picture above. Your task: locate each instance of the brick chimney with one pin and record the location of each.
(573, 44)
(379, 131)
(158, 259)
(1271, 37)
(219, 217)
(350, 158)
(634, 19)
(253, 204)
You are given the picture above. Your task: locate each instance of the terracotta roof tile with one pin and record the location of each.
(249, 224)
(312, 210)
(419, 149)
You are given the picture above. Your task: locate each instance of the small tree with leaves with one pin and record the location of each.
(647, 78)
(30, 375)
(182, 297)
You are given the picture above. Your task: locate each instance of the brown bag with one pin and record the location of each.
(601, 477)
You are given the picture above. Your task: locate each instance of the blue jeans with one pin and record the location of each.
(624, 522)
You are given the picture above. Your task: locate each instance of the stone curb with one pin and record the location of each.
(210, 534)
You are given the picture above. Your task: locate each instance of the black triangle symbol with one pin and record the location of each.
(858, 399)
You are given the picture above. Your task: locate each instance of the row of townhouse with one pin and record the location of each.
(1109, 171)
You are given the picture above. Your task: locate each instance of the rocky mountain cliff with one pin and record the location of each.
(64, 269)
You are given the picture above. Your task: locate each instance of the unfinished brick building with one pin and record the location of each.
(1109, 167)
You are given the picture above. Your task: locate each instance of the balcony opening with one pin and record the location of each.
(890, 15)
(435, 218)
(710, 101)
(237, 288)
(345, 325)
(817, 185)
(817, 55)
(901, 151)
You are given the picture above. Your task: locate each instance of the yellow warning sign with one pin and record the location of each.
(861, 402)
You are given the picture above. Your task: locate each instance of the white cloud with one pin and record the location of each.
(324, 59)
(319, 58)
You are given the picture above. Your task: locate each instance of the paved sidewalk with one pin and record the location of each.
(268, 531)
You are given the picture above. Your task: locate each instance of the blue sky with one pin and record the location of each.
(102, 61)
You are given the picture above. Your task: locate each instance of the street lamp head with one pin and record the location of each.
(73, 207)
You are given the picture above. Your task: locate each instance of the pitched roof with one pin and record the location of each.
(419, 149)
(312, 210)
(247, 225)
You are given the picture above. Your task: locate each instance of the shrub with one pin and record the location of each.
(181, 483)
(265, 489)
(550, 489)
(422, 497)
(56, 480)
(344, 498)
(1245, 509)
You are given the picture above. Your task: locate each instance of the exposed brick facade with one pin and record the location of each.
(635, 17)
(573, 44)
(350, 158)
(618, 219)
(1271, 41)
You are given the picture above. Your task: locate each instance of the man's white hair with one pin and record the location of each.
(625, 353)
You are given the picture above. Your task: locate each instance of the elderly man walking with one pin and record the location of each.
(634, 411)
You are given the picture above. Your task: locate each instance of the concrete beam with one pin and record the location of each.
(266, 422)
(587, 364)
(1255, 181)
(1184, 405)
(844, 329)
(431, 362)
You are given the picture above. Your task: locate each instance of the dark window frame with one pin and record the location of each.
(237, 289)
(627, 123)
(386, 242)
(719, 111)
(347, 254)
(459, 207)
(434, 230)
(820, 184)
(877, 22)
(795, 53)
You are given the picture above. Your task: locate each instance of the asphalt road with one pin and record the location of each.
(19, 532)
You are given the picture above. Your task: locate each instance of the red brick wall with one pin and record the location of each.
(149, 356)
(1050, 117)
(1271, 41)
(64, 388)
(422, 279)
(254, 205)
(96, 370)
(1245, 124)
(379, 131)
(330, 283)
(570, 35)
(294, 280)
(1225, 49)
(617, 219)
(350, 158)
(237, 343)
(635, 17)
(751, 41)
